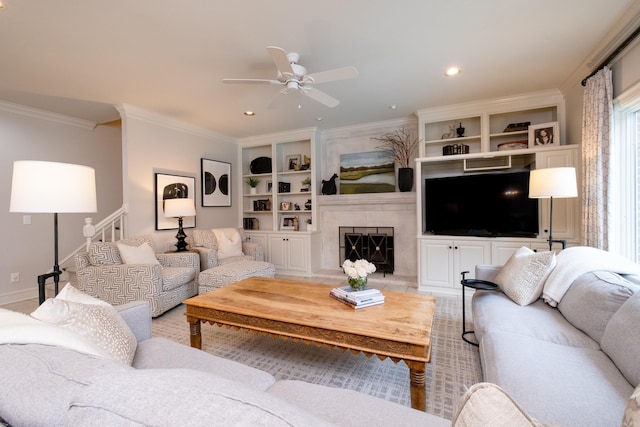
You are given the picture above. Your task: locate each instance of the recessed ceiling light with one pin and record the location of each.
(452, 71)
(319, 119)
(1, 5)
(249, 113)
(393, 107)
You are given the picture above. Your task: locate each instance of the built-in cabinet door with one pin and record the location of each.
(297, 247)
(502, 251)
(289, 252)
(565, 211)
(436, 263)
(444, 260)
(278, 251)
(467, 255)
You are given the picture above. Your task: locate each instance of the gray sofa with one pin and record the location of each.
(172, 384)
(576, 364)
(169, 384)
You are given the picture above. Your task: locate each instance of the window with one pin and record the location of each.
(625, 155)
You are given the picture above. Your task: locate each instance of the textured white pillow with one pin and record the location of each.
(142, 254)
(522, 277)
(69, 293)
(229, 242)
(95, 320)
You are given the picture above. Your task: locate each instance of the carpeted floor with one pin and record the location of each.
(455, 365)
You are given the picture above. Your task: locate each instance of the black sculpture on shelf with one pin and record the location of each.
(329, 187)
(460, 131)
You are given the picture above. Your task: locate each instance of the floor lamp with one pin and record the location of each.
(179, 208)
(49, 187)
(553, 183)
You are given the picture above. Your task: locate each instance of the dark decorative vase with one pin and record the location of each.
(405, 179)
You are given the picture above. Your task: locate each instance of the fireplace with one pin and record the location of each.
(375, 244)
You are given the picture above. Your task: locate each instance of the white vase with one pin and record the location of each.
(253, 190)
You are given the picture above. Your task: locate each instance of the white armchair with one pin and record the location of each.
(165, 283)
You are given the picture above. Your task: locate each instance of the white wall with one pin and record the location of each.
(27, 134)
(155, 144)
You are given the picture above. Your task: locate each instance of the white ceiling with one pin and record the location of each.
(80, 57)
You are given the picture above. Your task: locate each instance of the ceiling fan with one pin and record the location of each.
(293, 77)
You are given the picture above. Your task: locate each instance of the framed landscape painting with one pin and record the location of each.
(216, 183)
(370, 172)
(173, 187)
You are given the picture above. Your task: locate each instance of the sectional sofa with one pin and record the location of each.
(574, 359)
(52, 376)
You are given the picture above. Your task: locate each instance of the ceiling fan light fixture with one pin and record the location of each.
(293, 77)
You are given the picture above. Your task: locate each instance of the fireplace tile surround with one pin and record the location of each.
(397, 210)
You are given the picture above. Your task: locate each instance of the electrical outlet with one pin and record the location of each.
(15, 277)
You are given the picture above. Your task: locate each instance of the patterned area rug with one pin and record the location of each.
(455, 365)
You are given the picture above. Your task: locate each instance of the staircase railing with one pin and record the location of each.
(110, 229)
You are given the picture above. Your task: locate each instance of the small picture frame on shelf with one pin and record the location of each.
(284, 187)
(287, 222)
(269, 186)
(285, 206)
(293, 161)
(544, 134)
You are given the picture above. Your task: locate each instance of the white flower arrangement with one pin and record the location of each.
(358, 268)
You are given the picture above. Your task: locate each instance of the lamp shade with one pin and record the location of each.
(50, 187)
(177, 208)
(553, 182)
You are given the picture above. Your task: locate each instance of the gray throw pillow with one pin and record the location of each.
(621, 339)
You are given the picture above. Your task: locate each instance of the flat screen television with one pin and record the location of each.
(486, 204)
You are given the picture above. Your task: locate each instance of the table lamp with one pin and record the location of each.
(179, 208)
(549, 183)
(50, 187)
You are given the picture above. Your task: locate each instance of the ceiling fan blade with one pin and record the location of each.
(279, 56)
(251, 81)
(278, 99)
(332, 75)
(321, 97)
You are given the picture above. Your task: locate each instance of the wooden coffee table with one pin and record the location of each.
(399, 329)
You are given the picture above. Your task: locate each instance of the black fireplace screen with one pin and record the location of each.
(375, 244)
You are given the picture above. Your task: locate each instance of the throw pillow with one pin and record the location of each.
(69, 293)
(486, 404)
(98, 322)
(522, 277)
(229, 242)
(101, 253)
(142, 254)
(632, 411)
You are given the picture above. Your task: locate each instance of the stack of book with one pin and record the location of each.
(357, 299)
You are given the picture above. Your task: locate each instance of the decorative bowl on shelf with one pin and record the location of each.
(513, 145)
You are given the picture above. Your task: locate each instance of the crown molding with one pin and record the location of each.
(369, 127)
(130, 111)
(46, 115)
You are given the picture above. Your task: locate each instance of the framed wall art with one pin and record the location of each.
(173, 187)
(216, 183)
(544, 134)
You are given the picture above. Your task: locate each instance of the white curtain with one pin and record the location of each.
(596, 137)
